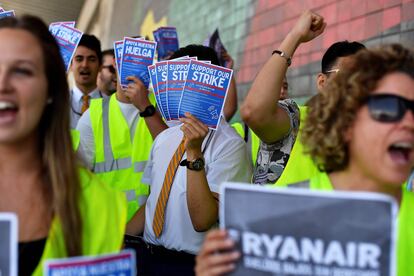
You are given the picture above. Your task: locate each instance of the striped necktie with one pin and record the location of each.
(158, 221)
(85, 105)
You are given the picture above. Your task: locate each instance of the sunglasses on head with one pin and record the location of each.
(332, 71)
(388, 108)
(110, 68)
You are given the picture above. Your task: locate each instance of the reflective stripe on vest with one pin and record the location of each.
(119, 162)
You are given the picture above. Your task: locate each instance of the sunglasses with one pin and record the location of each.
(332, 71)
(110, 68)
(388, 108)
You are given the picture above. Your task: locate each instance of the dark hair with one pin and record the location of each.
(108, 52)
(337, 50)
(59, 165)
(91, 42)
(199, 51)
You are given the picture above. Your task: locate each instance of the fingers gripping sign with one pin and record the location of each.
(137, 93)
(217, 255)
(194, 132)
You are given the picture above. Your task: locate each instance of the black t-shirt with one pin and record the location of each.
(30, 254)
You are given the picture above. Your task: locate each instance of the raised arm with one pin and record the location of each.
(260, 109)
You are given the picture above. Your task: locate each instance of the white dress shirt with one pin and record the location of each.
(76, 103)
(226, 160)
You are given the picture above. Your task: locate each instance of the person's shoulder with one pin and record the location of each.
(290, 105)
(226, 130)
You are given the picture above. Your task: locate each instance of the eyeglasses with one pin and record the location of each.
(388, 108)
(110, 68)
(332, 71)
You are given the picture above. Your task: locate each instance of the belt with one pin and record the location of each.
(153, 250)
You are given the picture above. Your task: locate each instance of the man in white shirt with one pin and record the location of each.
(86, 64)
(210, 158)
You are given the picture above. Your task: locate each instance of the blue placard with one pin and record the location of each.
(7, 14)
(177, 75)
(122, 264)
(167, 41)
(68, 39)
(137, 55)
(162, 74)
(153, 77)
(118, 48)
(205, 91)
(54, 26)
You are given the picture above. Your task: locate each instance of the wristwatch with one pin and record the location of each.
(195, 165)
(148, 111)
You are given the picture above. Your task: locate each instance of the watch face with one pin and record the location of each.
(198, 164)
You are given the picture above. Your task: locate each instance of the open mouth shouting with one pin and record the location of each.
(8, 111)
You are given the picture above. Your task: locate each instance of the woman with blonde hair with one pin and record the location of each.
(62, 209)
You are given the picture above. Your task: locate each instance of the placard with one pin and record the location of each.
(8, 244)
(292, 231)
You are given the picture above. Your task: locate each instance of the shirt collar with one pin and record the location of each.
(77, 93)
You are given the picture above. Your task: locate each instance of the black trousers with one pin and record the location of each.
(157, 260)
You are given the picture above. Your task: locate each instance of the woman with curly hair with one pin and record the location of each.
(360, 132)
(62, 209)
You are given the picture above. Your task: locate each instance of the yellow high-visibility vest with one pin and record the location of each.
(405, 232)
(119, 162)
(300, 166)
(75, 138)
(103, 212)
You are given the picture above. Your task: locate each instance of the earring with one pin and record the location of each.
(49, 100)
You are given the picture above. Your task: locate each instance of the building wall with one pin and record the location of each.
(49, 10)
(251, 29)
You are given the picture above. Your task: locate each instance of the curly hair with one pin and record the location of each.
(334, 109)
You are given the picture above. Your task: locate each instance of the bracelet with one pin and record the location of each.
(283, 55)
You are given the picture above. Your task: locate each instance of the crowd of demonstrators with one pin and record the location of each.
(183, 202)
(278, 125)
(359, 130)
(364, 142)
(61, 207)
(106, 80)
(355, 134)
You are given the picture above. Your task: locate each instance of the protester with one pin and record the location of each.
(62, 209)
(116, 135)
(106, 80)
(280, 158)
(85, 66)
(360, 132)
(173, 234)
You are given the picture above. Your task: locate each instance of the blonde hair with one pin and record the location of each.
(333, 110)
